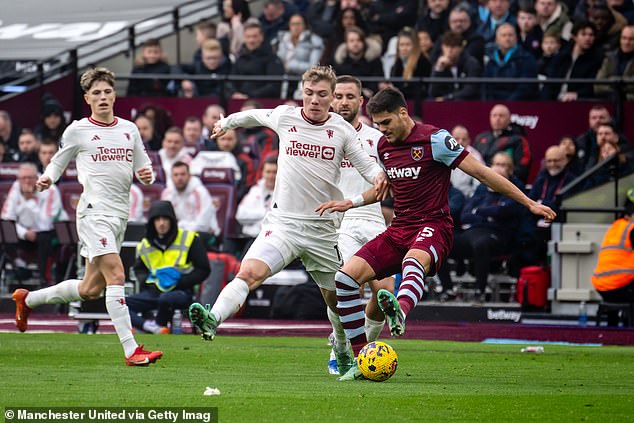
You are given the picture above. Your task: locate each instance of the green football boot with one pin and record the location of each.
(345, 359)
(204, 320)
(392, 310)
(353, 374)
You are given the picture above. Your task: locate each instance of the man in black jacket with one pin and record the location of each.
(170, 263)
(256, 59)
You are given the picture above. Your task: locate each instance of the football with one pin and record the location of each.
(377, 361)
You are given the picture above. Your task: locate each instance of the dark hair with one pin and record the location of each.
(349, 79)
(452, 39)
(152, 42)
(253, 24)
(583, 25)
(271, 158)
(387, 100)
(180, 164)
(193, 119)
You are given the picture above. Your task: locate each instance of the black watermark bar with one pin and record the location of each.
(111, 414)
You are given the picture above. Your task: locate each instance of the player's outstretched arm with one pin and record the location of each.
(43, 183)
(502, 185)
(368, 197)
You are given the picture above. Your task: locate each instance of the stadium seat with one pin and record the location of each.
(151, 193)
(224, 198)
(217, 175)
(70, 193)
(5, 187)
(68, 239)
(70, 173)
(9, 171)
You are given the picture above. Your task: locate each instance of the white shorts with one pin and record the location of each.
(100, 235)
(282, 240)
(355, 233)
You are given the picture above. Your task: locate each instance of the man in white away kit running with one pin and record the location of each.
(108, 151)
(362, 224)
(313, 143)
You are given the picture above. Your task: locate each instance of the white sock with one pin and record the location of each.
(341, 342)
(63, 292)
(373, 328)
(230, 299)
(120, 316)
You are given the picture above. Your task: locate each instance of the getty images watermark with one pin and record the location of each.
(111, 414)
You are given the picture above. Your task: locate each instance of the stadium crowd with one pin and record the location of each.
(206, 179)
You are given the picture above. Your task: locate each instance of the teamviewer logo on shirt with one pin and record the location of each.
(327, 153)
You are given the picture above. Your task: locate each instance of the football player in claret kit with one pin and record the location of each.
(418, 159)
(313, 143)
(108, 151)
(362, 224)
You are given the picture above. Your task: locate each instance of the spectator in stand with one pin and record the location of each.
(410, 64)
(618, 64)
(28, 146)
(607, 133)
(210, 117)
(274, 18)
(609, 24)
(579, 59)
(528, 32)
(261, 138)
(386, 18)
(258, 201)
(170, 262)
(499, 13)
(193, 135)
(192, 203)
(34, 213)
(624, 164)
(160, 117)
(489, 220)
(136, 205)
(552, 16)
(435, 19)
(460, 23)
(256, 59)
(322, 16)
(613, 277)
(425, 43)
(205, 30)
(509, 60)
(454, 62)
(505, 136)
(625, 8)
(245, 176)
(465, 183)
(359, 56)
(151, 61)
(48, 148)
(234, 14)
(569, 147)
(348, 18)
(551, 44)
(213, 64)
(9, 133)
(549, 181)
(148, 136)
(298, 49)
(173, 150)
(52, 124)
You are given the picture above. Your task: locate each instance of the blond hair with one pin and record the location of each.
(91, 76)
(318, 73)
(211, 44)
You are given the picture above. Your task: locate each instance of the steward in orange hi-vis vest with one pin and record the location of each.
(615, 268)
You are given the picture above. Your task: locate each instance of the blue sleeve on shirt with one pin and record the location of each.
(444, 148)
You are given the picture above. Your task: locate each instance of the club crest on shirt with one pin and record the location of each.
(417, 152)
(127, 136)
(330, 133)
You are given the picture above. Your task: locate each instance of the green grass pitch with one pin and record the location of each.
(285, 380)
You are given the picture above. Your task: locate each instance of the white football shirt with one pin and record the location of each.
(352, 184)
(310, 156)
(106, 156)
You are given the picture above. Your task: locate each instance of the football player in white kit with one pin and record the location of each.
(108, 151)
(362, 224)
(313, 143)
